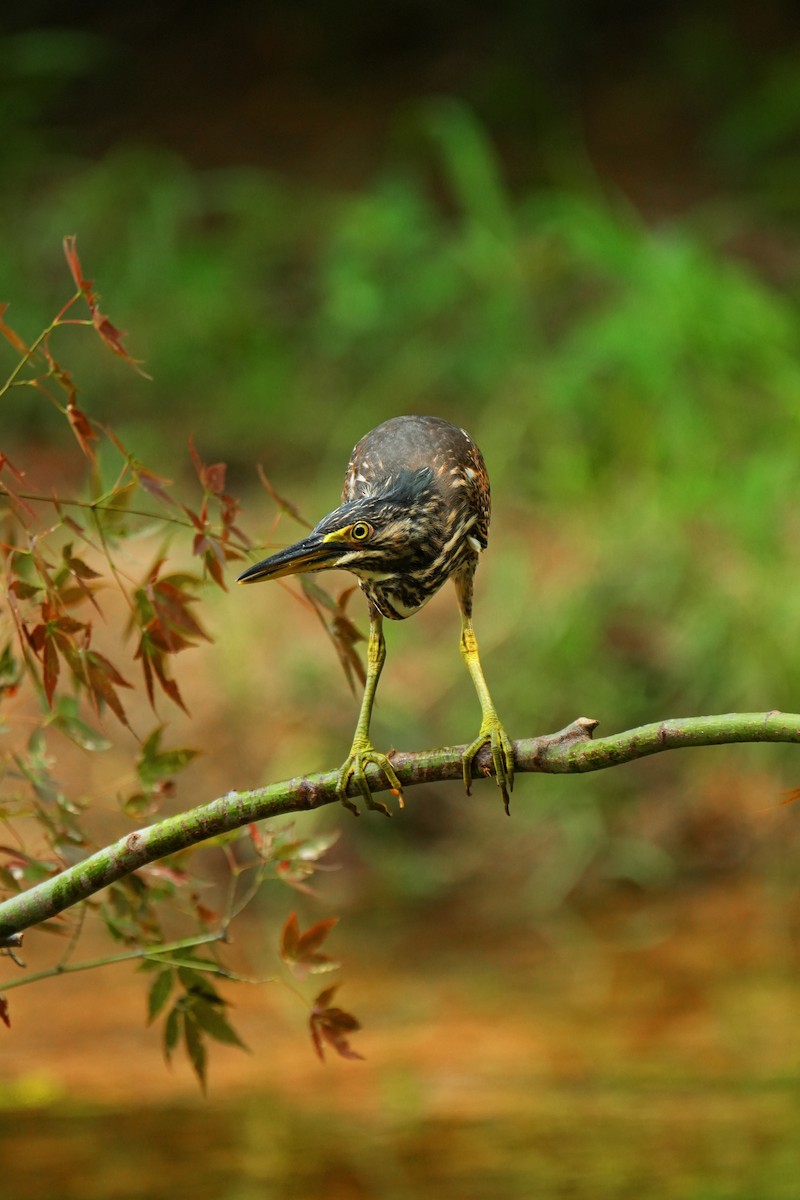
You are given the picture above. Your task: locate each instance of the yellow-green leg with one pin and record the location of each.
(491, 731)
(362, 751)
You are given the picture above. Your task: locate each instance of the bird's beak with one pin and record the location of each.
(313, 553)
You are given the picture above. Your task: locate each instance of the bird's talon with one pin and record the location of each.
(502, 752)
(345, 775)
(353, 768)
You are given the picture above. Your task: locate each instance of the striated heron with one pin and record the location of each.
(415, 512)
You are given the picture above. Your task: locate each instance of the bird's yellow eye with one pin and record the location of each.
(360, 531)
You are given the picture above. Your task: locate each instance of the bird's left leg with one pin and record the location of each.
(491, 731)
(362, 751)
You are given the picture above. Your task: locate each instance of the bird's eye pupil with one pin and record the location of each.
(361, 531)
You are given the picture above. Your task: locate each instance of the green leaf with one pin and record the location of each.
(172, 1030)
(190, 965)
(155, 764)
(138, 805)
(317, 593)
(198, 984)
(214, 1023)
(193, 1040)
(65, 717)
(159, 993)
(10, 669)
(312, 848)
(8, 881)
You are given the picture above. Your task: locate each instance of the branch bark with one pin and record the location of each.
(571, 750)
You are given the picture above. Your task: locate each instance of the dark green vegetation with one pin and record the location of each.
(575, 1142)
(633, 381)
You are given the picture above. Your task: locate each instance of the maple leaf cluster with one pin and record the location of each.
(301, 952)
(48, 580)
(59, 638)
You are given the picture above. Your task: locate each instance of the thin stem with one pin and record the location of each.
(41, 341)
(149, 952)
(63, 963)
(98, 506)
(33, 349)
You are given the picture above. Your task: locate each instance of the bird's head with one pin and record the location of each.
(389, 533)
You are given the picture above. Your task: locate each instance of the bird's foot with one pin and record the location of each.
(362, 753)
(492, 734)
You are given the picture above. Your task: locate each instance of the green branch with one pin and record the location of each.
(570, 751)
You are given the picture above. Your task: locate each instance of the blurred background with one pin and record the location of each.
(572, 229)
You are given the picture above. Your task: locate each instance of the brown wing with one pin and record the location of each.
(472, 470)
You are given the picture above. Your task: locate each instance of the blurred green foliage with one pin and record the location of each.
(634, 389)
(567, 1004)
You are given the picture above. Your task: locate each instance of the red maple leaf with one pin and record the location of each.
(301, 951)
(332, 1025)
(108, 332)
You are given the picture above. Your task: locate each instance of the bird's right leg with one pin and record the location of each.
(491, 732)
(362, 750)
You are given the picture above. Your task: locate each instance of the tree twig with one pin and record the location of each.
(571, 750)
(154, 953)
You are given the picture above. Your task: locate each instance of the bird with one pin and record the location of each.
(415, 513)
